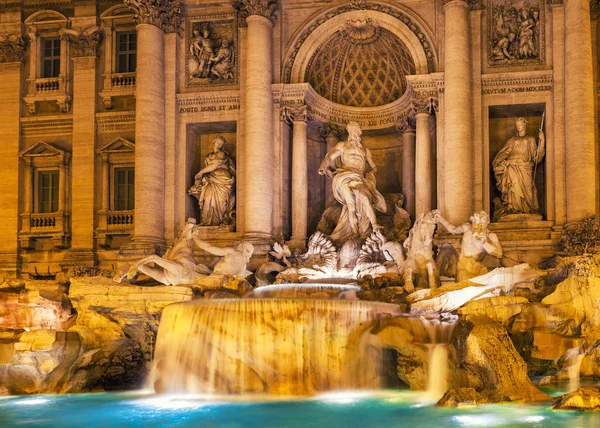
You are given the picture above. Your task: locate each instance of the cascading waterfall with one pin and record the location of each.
(268, 345)
(574, 358)
(440, 333)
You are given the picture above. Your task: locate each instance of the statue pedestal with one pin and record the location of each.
(212, 231)
(520, 218)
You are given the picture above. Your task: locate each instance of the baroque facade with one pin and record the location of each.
(110, 109)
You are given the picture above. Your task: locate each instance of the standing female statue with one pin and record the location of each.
(514, 170)
(214, 187)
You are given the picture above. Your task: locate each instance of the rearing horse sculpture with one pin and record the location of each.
(419, 253)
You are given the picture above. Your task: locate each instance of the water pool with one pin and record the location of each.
(387, 409)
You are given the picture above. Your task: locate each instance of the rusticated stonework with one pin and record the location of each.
(361, 65)
(85, 43)
(516, 32)
(248, 8)
(360, 5)
(164, 14)
(12, 48)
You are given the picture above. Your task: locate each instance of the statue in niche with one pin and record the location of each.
(514, 167)
(202, 49)
(353, 187)
(515, 31)
(480, 249)
(214, 187)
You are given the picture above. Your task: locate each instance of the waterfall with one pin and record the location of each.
(268, 345)
(440, 333)
(574, 358)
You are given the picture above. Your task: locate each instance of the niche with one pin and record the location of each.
(501, 129)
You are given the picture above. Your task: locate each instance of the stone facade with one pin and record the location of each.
(109, 110)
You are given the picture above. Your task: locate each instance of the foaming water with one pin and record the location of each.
(440, 333)
(574, 358)
(275, 346)
(308, 290)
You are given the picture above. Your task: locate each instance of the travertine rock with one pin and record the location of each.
(462, 397)
(501, 308)
(585, 398)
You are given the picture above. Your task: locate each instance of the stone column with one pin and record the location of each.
(423, 172)
(258, 111)
(11, 65)
(457, 158)
(407, 129)
(62, 186)
(299, 117)
(105, 187)
(148, 234)
(84, 51)
(579, 112)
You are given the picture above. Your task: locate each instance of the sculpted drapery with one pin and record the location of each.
(215, 187)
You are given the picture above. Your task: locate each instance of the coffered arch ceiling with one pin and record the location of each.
(360, 65)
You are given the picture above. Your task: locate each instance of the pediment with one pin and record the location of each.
(42, 149)
(118, 145)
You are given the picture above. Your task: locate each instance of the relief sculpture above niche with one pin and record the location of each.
(211, 54)
(516, 32)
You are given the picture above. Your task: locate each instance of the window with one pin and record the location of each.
(124, 189)
(48, 191)
(51, 57)
(126, 52)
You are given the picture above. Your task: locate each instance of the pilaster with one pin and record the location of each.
(407, 128)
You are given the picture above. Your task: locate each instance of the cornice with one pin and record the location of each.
(504, 83)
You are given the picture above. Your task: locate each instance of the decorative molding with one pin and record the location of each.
(45, 125)
(164, 14)
(84, 43)
(405, 125)
(115, 121)
(331, 130)
(12, 48)
(506, 83)
(359, 5)
(246, 8)
(211, 54)
(559, 2)
(516, 33)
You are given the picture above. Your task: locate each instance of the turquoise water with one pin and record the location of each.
(391, 409)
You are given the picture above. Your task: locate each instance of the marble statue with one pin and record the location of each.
(214, 187)
(177, 266)
(514, 167)
(222, 62)
(351, 166)
(480, 249)
(234, 260)
(419, 267)
(201, 52)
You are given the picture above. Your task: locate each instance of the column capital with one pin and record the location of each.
(465, 3)
(424, 105)
(164, 14)
(296, 114)
(405, 126)
(84, 43)
(248, 8)
(331, 130)
(12, 48)
(595, 9)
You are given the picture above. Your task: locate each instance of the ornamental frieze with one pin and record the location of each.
(12, 48)
(505, 83)
(516, 32)
(211, 51)
(246, 8)
(84, 43)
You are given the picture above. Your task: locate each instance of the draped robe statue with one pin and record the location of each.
(353, 187)
(214, 187)
(514, 170)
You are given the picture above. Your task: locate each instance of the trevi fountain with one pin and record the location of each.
(281, 213)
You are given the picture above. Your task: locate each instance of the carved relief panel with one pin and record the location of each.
(211, 51)
(515, 32)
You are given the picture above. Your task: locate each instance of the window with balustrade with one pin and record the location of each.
(120, 55)
(51, 57)
(47, 191)
(124, 187)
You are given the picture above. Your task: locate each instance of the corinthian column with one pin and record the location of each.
(579, 111)
(258, 111)
(153, 17)
(457, 159)
(423, 187)
(12, 56)
(407, 129)
(299, 117)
